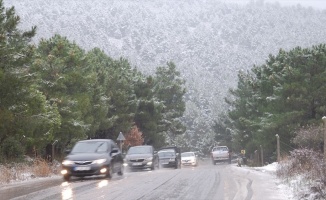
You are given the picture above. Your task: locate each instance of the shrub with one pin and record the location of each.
(309, 166)
(5, 175)
(12, 149)
(41, 168)
(310, 137)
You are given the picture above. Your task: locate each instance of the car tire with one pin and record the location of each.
(109, 172)
(120, 172)
(66, 178)
(178, 165)
(157, 164)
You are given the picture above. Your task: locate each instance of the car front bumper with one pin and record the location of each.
(89, 170)
(140, 165)
(189, 163)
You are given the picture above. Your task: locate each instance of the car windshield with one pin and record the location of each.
(187, 154)
(139, 150)
(166, 153)
(220, 149)
(90, 147)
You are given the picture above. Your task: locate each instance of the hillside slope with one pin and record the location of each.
(209, 40)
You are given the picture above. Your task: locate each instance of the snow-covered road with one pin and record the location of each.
(205, 182)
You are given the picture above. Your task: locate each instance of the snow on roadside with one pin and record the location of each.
(284, 189)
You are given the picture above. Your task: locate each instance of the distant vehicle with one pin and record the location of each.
(189, 158)
(142, 157)
(220, 154)
(93, 157)
(169, 157)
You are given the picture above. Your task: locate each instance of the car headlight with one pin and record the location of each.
(67, 162)
(149, 159)
(99, 161)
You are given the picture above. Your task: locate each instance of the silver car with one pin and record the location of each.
(141, 157)
(189, 158)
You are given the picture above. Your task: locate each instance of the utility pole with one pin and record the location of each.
(262, 157)
(52, 159)
(278, 148)
(324, 119)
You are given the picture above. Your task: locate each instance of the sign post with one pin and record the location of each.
(324, 119)
(121, 138)
(52, 156)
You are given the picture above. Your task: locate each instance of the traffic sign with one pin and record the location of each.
(121, 137)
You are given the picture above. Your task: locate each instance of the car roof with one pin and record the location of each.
(166, 150)
(141, 146)
(96, 140)
(171, 147)
(188, 152)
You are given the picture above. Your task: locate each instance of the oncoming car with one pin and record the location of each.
(142, 157)
(169, 157)
(189, 158)
(93, 157)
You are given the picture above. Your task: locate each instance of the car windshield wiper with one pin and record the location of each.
(96, 150)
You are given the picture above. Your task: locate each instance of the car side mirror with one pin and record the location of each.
(114, 151)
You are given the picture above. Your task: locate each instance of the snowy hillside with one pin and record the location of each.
(208, 40)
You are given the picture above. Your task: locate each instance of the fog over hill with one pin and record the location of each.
(208, 40)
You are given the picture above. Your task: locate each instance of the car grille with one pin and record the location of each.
(87, 172)
(83, 162)
(164, 159)
(136, 160)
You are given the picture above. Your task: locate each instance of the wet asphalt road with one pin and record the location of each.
(204, 182)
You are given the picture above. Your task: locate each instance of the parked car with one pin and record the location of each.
(169, 157)
(220, 154)
(142, 157)
(93, 157)
(189, 158)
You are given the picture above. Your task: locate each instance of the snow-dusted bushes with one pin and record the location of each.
(27, 170)
(305, 171)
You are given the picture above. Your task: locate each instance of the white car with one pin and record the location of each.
(189, 158)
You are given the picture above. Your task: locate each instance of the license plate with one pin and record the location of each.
(82, 168)
(136, 164)
(165, 163)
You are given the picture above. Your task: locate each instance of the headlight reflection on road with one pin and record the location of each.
(102, 183)
(66, 191)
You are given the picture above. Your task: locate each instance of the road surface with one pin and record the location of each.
(204, 182)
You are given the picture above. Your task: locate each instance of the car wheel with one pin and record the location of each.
(153, 166)
(157, 164)
(120, 172)
(66, 178)
(109, 172)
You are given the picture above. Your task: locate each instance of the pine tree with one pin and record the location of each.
(169, 87)
(25, 115)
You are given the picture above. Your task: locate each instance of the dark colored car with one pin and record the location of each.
(142, 157)
(169, 157)
(93, 157)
